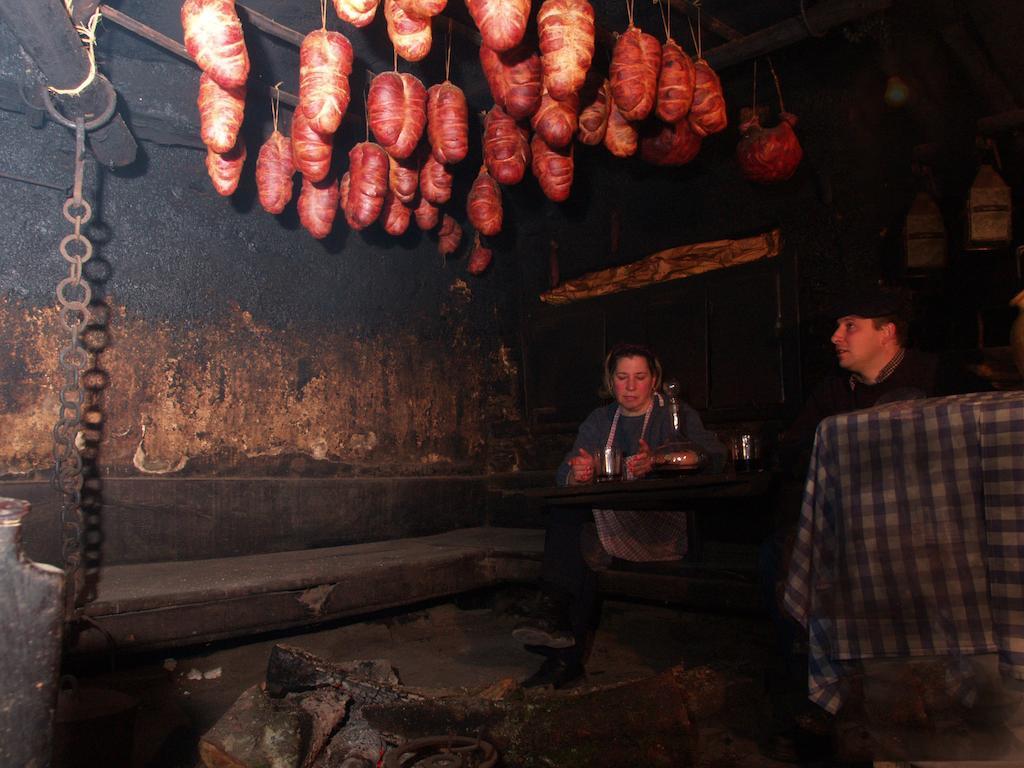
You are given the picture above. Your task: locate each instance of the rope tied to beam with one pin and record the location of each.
(87, 32)
(807, 25)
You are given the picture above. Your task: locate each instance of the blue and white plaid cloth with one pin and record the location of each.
(911, 536)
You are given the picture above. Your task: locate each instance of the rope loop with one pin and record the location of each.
(99, 119)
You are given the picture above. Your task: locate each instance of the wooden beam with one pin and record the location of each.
(986, 81)
(44, 30)
(707, 21)
(271, 27)
(158, 38)
(145, 127)
(817, 20)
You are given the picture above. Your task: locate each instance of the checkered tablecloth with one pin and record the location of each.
(911, 536)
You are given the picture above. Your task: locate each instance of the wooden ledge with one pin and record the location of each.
(169, 604)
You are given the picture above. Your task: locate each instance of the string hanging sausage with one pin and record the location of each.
(396, 108)
(636, 62)
(358, 13)
(483, 205)
(225, 169)
(435, 181)
(553, 169)
(593, 120)
(621, 136)
(447, 122)
(556, 121)
(515, 78)
(274, 172)
(448, 236)
(410, 35)
(325, 62)
(318, 206)
(502, 23)
(221, 111)
(368, 183)
(213, 38)
(506, 147)
(566, 35)
(311, 151)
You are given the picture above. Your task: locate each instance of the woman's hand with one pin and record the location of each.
(581, 468)
(641, 462)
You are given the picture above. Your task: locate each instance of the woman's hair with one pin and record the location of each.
(620, 351)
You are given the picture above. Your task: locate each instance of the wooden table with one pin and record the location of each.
(690, 493)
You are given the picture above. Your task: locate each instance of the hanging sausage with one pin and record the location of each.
(768, 155)
(633, 74)
(515, 78)
(221, 111)
(424, 9)
(368, 183)
(311, 151)
(427, 215)
(707, 112)
(506, 147)
(566, 35)
(318, 206)
(479, 257)
(396, 216)
(448, 236)
(556, 121)
(669, 144)
(621, 135)
(502, 23)
(410, 35)
(396, 109)
(225, 169)
(483, 205)
(325, 62)
(593, 120)
(213, 38)
(676, 83)
(677, 77)
(404, 178)
(553, 169)
(447, 122)
(435, 181)
(358, 13)
(274, 171)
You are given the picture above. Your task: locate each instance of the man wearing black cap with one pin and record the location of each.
(876, 367)
(870, 345)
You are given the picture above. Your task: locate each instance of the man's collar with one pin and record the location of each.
(885, 373)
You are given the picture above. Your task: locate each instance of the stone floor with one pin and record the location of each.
(466, 644)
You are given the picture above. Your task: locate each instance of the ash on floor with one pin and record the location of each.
(454, 646)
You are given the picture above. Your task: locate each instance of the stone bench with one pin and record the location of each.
(167, 604)
(176, 603)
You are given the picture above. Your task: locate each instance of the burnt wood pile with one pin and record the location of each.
(313, 712)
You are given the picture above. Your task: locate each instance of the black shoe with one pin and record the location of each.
(548, 623)
(556, 672)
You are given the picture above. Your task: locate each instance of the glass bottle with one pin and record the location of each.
(677, 454)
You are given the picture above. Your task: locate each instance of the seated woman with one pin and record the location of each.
(566, 615)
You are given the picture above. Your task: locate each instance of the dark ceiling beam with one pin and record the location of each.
(815, 22)
(706, 20)
(44, 29)
(144, 126)
(989, 85)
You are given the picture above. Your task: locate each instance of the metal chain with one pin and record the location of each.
(76, 249)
